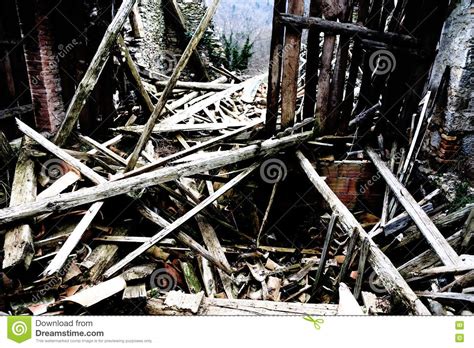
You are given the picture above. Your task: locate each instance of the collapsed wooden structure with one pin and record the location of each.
(91, 222)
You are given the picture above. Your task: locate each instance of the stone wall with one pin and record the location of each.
(159, 49)
(452, 133)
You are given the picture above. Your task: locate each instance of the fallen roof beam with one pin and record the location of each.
(434, 237)
(339, 28)
(92, 74)
(388, 274)
(160, 106)
(111, 189)
(197, 86)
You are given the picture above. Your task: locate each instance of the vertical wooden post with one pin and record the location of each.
(312, 62)
(291, 63)
(330, 11)
(353, 69)
(340, 66)
(274, 70)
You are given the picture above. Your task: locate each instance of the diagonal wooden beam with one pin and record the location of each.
(171, 84)
(434, 237)
(92, 74)
(388, 274)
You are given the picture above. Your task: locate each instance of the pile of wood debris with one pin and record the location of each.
(184, 221)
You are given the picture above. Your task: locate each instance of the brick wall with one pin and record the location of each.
(355, 183)
(41, 61)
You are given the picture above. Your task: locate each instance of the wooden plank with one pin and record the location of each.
(178, 222)
(291, 63)
(324, 255)
(352, 30)
(361, 268)
(200, 31)
(468, 231)
(215, 306)
(387, 273)
(92, 74)
(312, 64)
(18, 245)
(434, 237)
(111, 189)
(274, 70)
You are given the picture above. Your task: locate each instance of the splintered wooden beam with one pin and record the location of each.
(434, 237)
(92, 74)
(386, 271)
(18, 246)
(74, 238)
(114, 188)
(200, 31)
(178, 222)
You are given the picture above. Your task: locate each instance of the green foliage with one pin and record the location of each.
(462, 197)
(237, 57)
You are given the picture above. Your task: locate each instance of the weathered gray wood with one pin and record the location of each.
(61, 257)
(164, 128)
(18, 246)
(468, 231)
(446, 253)
(215, 248)
(324, 255)
(361, 268)
(103, 149)
(426, 259)
(353, 30)
(102, 257)
(171, 84)
(192, 149)
(182, 237)
(139, 182)
(6, 153)
(384, 268)
(347, 259)
(178, 222)
(442, 221)
(197, 86)
(291, 62)
(214, 306)
(92, 74)
(54, 149)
